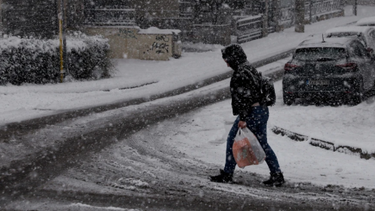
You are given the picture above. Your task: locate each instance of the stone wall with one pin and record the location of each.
(136, 43)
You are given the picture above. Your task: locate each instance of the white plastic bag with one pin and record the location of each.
(246, 149)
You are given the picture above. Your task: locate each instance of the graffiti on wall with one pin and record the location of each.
(162, 38)
(160, 45)
(160, 48)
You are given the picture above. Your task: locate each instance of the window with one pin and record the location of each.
(313, 54)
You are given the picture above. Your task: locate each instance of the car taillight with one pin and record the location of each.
(348, 66)
(290, 66)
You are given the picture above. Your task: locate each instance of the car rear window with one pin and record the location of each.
(343, 34)
(325, 53)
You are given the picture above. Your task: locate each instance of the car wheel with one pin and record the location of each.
(357, 97)
(288, 100)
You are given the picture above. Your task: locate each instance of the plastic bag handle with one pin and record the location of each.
(242, 130)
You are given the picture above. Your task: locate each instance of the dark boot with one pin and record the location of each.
(276, 179)
(223, 177)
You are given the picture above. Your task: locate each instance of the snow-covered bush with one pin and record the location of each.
(38, 61)
(87, 56)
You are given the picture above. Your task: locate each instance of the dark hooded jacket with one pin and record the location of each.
(244, 84)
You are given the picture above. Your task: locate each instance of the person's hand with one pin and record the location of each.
(241, 124)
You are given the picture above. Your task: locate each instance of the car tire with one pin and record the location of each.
(357, 97)
(288, 100)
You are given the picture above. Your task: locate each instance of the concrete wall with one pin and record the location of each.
(134, 43)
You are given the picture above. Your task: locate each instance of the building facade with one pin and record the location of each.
(198, 20)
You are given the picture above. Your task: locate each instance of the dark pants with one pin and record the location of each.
(256, 121)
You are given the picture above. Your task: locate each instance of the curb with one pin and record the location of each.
(322, 143)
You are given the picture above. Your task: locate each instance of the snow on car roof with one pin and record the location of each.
(369, 21)
(348, 29)
(337, 42)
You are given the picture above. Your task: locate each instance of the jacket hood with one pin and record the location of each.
(234, 55)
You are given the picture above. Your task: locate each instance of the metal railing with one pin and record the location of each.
(249, 28)
(313, 8)
(360, 2)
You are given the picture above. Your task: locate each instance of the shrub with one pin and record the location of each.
(38, 61)
(87, 57)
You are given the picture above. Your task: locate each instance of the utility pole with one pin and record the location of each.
(61, 38)
(265, 18)
(62, 27)
(310, 10)
(60, 15)
(299, 16)
(277, 15)
(355, 7)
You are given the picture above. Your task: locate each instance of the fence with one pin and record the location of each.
(360, 2)
(313, 9)
(250, 28)
(111, 17)
(366, 2)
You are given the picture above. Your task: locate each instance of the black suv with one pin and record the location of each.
(334, 71)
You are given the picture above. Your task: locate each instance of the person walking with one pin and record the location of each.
(246, 105)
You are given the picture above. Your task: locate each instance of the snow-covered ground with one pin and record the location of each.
(205, 134)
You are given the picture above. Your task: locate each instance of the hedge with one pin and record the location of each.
(30, 60)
